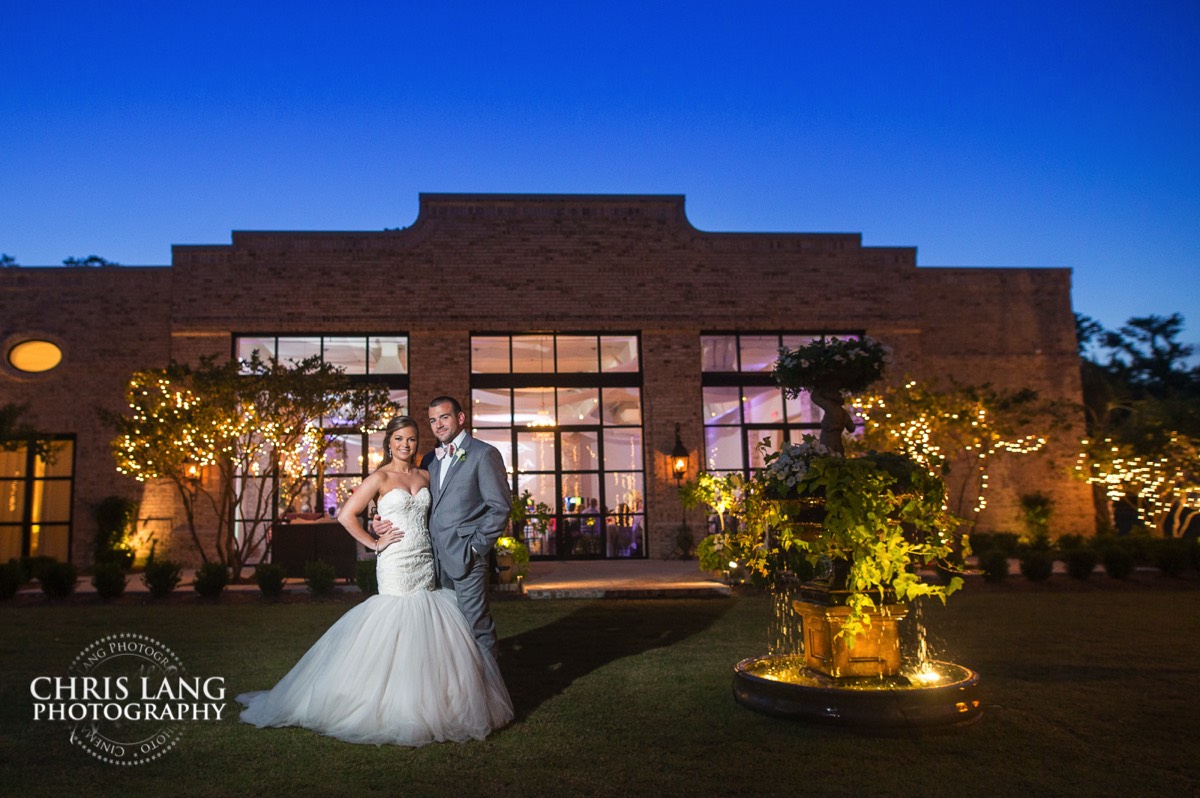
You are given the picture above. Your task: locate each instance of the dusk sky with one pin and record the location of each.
(1057, 134)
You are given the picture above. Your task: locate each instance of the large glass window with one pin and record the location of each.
(384, 356)
(332, 475)
(742, 406)
(35, 501)
(565, 411)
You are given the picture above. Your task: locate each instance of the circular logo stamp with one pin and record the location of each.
(127, 698)
(132, 661)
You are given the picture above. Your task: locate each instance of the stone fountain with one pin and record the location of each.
(870, 522)
(818, 677)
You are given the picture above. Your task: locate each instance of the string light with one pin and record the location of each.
(915, 433)
(1155, 485)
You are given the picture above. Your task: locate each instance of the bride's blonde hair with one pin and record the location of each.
(397, 423)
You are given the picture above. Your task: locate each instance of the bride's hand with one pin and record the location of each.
(389, 537)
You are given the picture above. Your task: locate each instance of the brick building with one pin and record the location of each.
(579, 330)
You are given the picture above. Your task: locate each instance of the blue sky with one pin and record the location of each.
(1061, 134)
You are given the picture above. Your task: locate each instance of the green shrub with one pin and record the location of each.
(1037, 565)
(270, 576)
(121, 557)
(994, 564)
(211, 579)
(1118, 562)
(1039, 543)
(1081, 562)
(58, 579)
(1007, 542)
(320, 577)
(109, 580)
(12, 576)
(980, 541)
(1070, 542)
(161, 576)
(1140, 544)
(366, 578)
(115, 517)
(1036, 509)
(33, 566)
(1171, 556)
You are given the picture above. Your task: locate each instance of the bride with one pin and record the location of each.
(402, 667)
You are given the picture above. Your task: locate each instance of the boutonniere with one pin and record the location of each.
(460, 455)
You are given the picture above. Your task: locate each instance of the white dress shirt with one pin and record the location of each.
(450, 460)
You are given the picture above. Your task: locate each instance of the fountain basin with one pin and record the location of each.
(783, 687)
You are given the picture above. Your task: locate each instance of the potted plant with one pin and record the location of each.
(864, 524)
(527, 519)
(512, 560)
(830, 369)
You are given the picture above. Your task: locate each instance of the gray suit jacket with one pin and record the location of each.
(470, 511)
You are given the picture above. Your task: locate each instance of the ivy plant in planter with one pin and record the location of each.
(527, 518)
(516, 553)
(868, 520)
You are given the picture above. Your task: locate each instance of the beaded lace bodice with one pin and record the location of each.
(407, 566)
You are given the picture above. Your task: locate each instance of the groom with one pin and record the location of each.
(471, 503)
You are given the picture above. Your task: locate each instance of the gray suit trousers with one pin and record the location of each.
(471, 592)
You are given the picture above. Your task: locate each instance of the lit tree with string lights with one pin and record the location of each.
(1163, 488)
(237, 437)
(1142, 394)
(957, 430)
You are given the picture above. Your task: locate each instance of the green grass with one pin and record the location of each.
(1088, 693)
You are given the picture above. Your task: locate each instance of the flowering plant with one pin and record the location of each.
(788, 467)
(831, 365)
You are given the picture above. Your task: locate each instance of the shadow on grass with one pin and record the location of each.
(541, 663)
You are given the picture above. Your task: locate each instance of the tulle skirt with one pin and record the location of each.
(395, 669)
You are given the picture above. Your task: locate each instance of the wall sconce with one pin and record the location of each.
(679, 458)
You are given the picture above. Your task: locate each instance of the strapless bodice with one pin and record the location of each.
(399, 500)
(408, 565)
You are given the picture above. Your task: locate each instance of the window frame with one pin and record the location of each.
(740, 379)
(322, 477)
(28, 485)
(555, 381)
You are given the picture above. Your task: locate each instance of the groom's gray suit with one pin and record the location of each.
(469, 512)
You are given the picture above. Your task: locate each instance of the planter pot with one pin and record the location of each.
(823, 613)
(506, 571)
(876, 652)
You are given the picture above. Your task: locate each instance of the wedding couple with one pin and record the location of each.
(414, 664)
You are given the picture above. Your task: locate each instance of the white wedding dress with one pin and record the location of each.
(402, 667)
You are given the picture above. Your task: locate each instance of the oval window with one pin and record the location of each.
(34, 356)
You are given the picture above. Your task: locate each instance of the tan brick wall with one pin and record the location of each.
(108, 322)
(671, 395)
(472, 264)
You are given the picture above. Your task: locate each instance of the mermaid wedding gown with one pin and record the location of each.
(402, 667)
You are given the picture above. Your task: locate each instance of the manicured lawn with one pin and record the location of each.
(1089, 692)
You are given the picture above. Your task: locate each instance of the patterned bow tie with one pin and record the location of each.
(444, 451)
